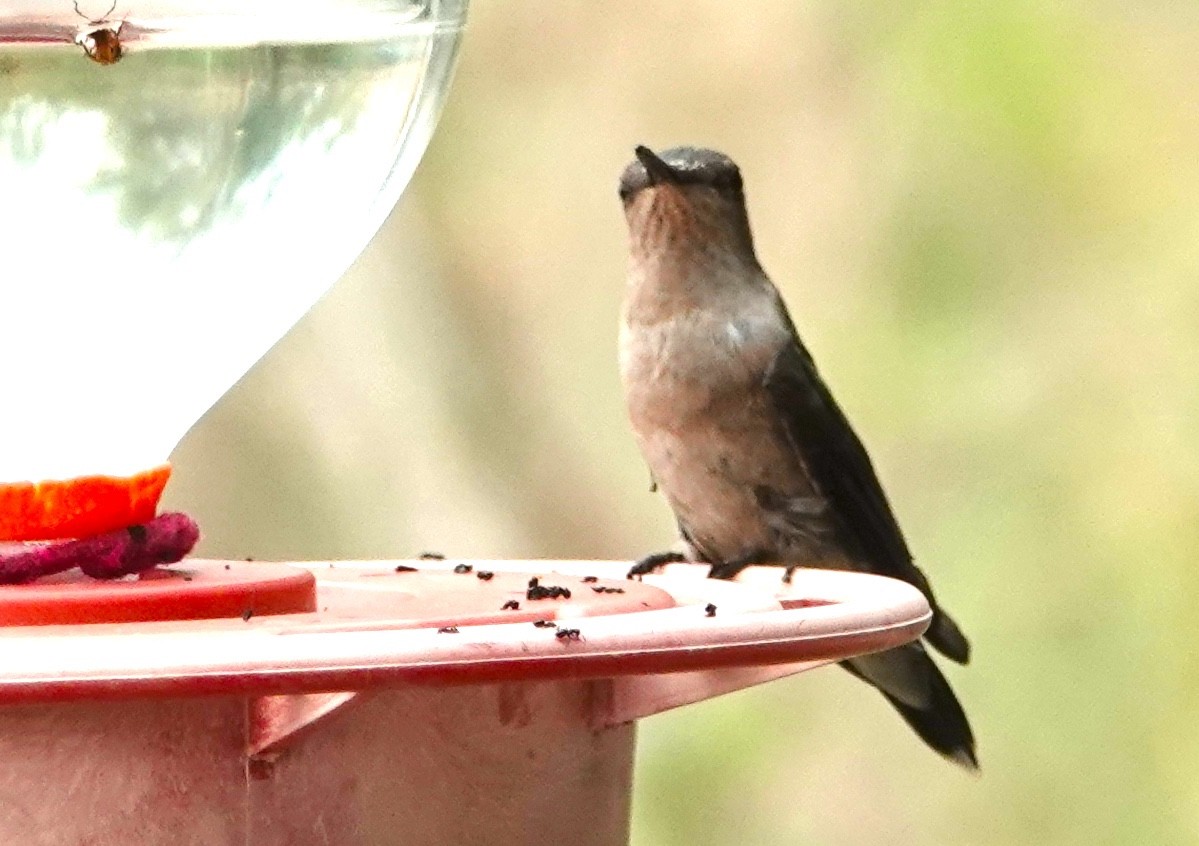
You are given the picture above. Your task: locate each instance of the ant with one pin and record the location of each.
(539, 591)
(101, 41)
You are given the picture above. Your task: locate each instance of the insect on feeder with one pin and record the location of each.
(210, 185)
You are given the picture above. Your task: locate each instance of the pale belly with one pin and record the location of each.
(731, 477)
(712, 439)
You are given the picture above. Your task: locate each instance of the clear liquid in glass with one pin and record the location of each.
(166, 218)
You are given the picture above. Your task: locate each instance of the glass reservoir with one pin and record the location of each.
(165, 218)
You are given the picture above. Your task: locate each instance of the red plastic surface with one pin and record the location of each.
(433, 599)
(375, 627)
(194, 590)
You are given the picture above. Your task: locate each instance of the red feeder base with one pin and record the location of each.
(414, 703)
(192, 590)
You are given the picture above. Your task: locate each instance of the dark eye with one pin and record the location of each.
(729, 180)
(720, 175)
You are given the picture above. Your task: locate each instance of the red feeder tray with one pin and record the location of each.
(469, 724)
(190, 591)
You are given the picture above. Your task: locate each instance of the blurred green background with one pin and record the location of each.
(985, 220)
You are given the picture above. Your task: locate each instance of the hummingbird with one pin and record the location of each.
(741, 435)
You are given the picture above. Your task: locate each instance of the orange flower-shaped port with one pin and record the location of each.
(79, 508)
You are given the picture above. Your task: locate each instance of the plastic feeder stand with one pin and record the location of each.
(360, 704)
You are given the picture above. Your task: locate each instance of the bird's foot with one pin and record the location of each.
(654, 563)
(729, 569)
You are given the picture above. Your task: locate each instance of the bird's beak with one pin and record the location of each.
(659, 171)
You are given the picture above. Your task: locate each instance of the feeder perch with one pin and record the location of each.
(359, 705)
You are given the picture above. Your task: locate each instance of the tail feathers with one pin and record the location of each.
(943, 633)
(911, 682)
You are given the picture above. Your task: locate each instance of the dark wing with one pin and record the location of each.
(915, 687)
(840, 468)
(836, 460)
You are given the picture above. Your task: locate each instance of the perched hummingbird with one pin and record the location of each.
(741, 435)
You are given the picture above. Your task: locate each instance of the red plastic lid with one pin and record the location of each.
(673, 638)
(193, 590)
(431, 599)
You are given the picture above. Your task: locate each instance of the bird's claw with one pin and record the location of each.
(725, 571)
(653, 563)
(729, 569)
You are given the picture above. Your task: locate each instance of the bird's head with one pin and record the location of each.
(686, 198)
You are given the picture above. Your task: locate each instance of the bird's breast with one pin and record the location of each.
(706, 426)
(694, 359)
